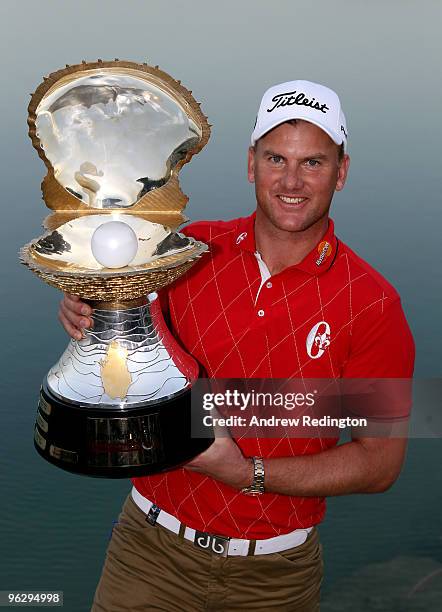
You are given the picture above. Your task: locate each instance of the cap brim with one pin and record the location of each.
(257, 135)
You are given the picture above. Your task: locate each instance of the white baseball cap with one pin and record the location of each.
(301, 100)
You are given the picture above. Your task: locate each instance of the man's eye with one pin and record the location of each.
(276, 159)
(312, 163)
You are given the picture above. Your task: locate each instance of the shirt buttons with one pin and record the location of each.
(269, 285)
(260, 313)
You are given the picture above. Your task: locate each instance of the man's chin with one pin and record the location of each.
(290, 221)
(294, 225)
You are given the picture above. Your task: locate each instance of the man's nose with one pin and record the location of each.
(292, 179)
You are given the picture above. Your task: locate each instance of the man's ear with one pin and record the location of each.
(342, 173)
(251, 165)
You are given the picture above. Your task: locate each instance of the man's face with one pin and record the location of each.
(296, 170)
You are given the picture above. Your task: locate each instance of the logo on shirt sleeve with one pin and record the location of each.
(318, 339)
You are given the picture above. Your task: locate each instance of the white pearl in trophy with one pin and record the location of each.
(114, 244)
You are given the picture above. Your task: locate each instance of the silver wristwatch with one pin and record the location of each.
(257, 486)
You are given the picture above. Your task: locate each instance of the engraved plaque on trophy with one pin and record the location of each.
(113, 136)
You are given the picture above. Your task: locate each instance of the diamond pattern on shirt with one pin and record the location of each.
(214, 314)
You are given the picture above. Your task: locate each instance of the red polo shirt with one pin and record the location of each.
(239, 324)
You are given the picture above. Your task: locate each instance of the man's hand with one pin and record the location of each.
(74, 315)
(361, 466)
(224, 461)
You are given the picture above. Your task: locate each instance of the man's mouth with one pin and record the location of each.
(290, 200)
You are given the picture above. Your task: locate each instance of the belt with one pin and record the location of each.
(220, 545)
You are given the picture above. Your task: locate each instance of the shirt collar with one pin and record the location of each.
(320, 258)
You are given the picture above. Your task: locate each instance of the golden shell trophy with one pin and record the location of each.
(113, 136)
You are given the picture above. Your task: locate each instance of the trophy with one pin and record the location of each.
(113, 136)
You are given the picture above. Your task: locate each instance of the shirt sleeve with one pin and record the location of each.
(382, 345)
(380, 364)
(163, 296)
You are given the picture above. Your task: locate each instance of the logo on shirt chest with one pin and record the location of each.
(318, 340)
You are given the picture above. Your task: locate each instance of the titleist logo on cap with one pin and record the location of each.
(292, 97)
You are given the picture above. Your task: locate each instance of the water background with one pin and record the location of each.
(383, 59)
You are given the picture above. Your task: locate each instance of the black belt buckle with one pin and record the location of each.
(212, 543)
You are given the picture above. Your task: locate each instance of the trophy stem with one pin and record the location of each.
(118, 304)
(97, 416)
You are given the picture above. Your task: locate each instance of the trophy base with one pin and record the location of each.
(108, 442)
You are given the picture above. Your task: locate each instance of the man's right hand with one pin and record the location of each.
(74, 315)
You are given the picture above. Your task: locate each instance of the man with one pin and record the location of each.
(279, 296)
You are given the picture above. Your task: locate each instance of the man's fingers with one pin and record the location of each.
(74, 315)
(77, 320)
(73, 331)
(73, 303)
(77, 312)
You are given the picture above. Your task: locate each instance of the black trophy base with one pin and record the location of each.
(110, 442)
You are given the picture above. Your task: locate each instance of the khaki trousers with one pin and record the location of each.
(150, 568)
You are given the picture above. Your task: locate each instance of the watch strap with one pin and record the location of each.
(257, 486)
